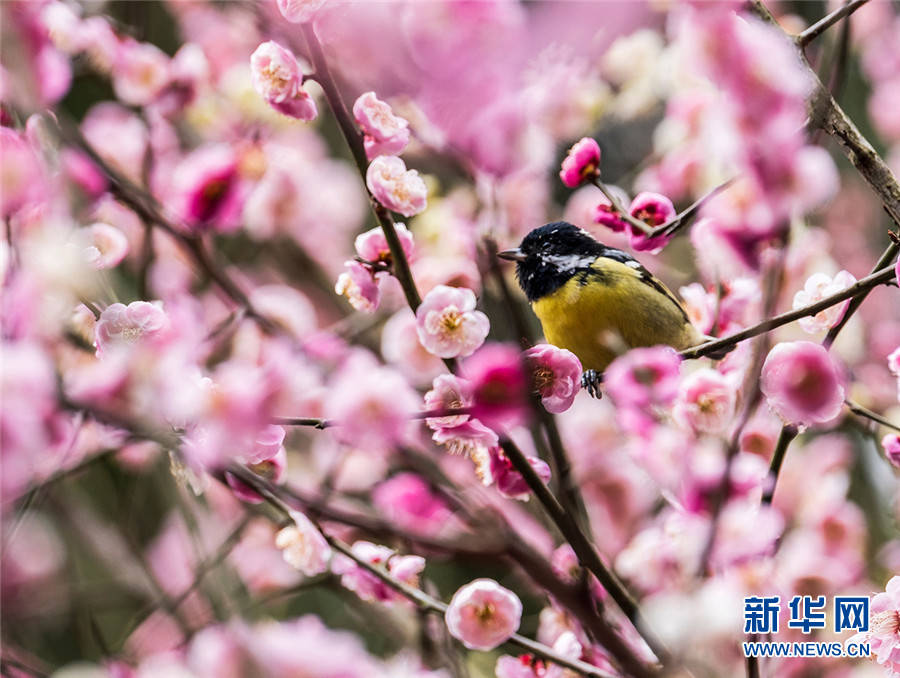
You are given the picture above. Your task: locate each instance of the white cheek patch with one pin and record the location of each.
(566, 263)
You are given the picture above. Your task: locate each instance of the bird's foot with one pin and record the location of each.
(591, 381)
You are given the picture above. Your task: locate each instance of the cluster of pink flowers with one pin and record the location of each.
(384, 132)
(182, 341)
(366, 585)
(640, 383)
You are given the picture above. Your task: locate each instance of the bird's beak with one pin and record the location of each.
(512, 255)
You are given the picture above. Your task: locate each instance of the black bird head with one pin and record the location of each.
(550, 255)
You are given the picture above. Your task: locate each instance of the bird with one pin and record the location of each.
(596, 301)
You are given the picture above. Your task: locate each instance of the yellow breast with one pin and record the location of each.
(602, 313)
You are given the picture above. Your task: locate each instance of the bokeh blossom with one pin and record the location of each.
(641, 381)
(499, 384)
(299, 11)
(397, 188)
(483, 614)
(448, 324)
(121, 326)
(303, 546)
(108, 246)
(802, 383)
(140, 72)
(891, 445)
(705, 402)
(817, 287)
(210, 191)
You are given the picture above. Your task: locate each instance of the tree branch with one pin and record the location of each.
(859, 289)
(866, 413)
(822, 25)
(417, 596)
(587, 554)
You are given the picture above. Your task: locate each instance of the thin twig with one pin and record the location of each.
(822, 25)
(828, 115)
(859, 289)
(670, 227)
(587, 554)
(419, 597)
(354, 140)
(788, 433)
(866, 413)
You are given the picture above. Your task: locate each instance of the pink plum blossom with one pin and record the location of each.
(371, 404)
(556, 376)
(118, 136)
(817, 287)
(893, 362)
(140, 72)
(411, 503)
(654, 210)
(509, 481)
(891, 445)
(606, 214)
(82, 172)
(395, 187)
(581, 164)
(99, 41)
(482, 614)
(108, 246)
(303, 546)
(448, 392)
(530, 666)
(499, 384)
(705, 402)
(373, 246)
(267, 458)
(277, 79)
(448, 324)
(802, 383)
(359, 285)
(700, 305)
(209, 189)
(401, 347)
(385, 133)
(460, 433)
(21, 180)
(121, 326)
(472, 439)
(641, 381)
(299, 11)
(365, 584)
(883, 635)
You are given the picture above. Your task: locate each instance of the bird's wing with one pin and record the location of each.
(644, 276)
